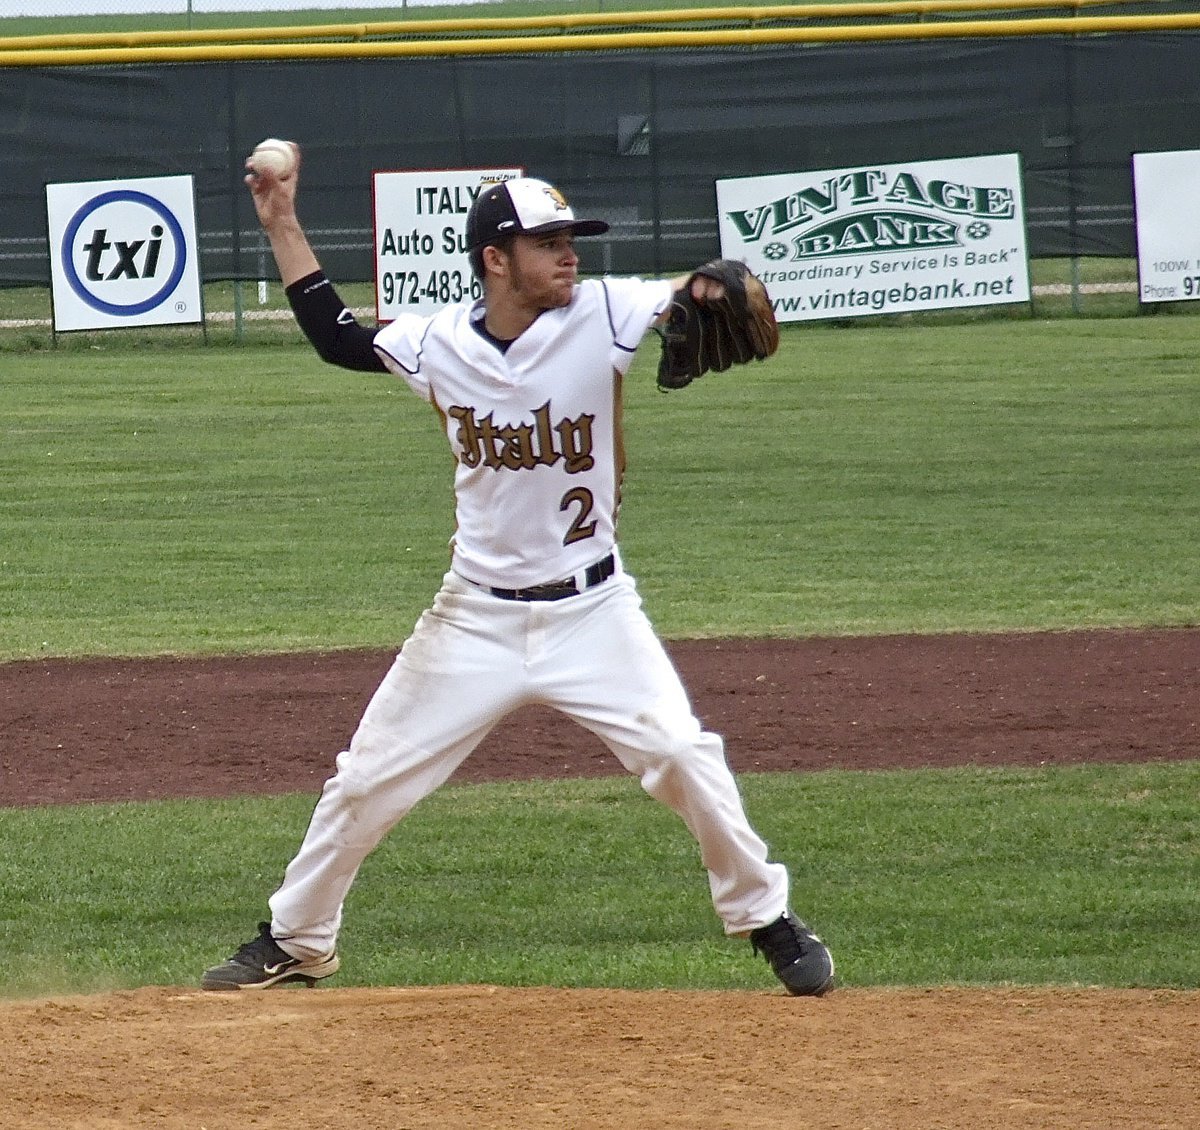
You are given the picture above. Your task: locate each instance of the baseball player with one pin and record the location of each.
(536, 606)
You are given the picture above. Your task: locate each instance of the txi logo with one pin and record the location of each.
(123, 252)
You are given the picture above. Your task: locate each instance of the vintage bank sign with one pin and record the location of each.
(881, 239)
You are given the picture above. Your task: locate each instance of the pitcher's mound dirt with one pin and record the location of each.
(480, 1058)
(525, 1059)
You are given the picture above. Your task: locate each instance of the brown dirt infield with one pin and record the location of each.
(482, 1057)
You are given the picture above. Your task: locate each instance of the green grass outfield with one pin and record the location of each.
(1076, 876)
(900, 478)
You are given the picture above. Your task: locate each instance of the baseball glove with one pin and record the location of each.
(710, 335)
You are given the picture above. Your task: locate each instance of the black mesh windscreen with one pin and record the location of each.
(637, 137)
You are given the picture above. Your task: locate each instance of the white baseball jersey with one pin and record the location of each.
(535, 430)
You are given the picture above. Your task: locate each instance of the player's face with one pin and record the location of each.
(543, 269)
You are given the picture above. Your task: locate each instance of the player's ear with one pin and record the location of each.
(495, 260)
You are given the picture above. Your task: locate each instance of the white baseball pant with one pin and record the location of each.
(472, 659)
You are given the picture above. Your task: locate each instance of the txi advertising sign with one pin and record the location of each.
(124, 253)
(881, 239)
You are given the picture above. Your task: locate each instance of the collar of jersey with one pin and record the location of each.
(483, 354)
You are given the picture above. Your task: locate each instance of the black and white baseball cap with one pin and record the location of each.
(522, 206)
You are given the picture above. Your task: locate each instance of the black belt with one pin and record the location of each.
(556, 590)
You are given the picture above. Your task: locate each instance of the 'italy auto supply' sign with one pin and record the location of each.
(881, 239)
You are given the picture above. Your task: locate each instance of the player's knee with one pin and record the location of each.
(354, 786)
(355, 779)
(684, 752)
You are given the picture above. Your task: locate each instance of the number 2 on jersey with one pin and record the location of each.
(580, 528)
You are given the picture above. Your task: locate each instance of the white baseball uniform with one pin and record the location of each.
(536, 433)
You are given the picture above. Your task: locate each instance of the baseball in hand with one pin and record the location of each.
(278, 156)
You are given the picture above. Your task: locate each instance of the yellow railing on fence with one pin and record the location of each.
(357, 41)
(855, 9)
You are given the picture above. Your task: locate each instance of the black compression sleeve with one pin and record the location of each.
(330, 326)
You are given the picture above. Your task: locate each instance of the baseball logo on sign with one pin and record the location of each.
(124, 254)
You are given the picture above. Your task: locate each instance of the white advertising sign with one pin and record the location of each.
(124, 253)
(881, 239)
(420, 238)
(1165, 186)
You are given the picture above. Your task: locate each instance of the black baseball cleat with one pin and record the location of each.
(261, 963)
(799, 958)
